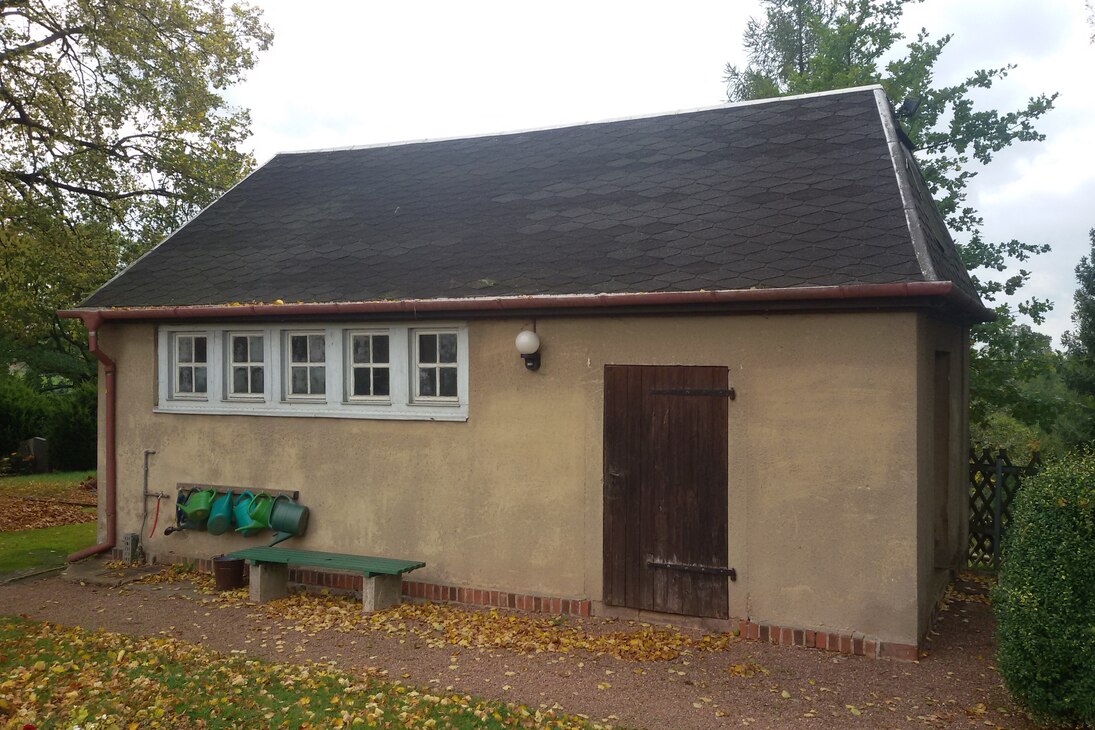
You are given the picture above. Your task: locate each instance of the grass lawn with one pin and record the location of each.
(56, 676)
(46, 547)
(56, 484)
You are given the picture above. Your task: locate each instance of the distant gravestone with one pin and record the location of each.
(38, 449)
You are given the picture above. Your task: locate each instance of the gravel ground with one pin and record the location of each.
(746, 684)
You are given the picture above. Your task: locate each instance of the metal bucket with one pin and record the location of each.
(228, 573)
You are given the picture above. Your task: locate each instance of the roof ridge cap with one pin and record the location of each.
(587, 123)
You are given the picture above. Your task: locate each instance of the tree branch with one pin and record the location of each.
(42, 43)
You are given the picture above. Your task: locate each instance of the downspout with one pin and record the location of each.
(92, 320)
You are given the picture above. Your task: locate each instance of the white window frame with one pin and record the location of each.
(400, 405)
(287, 365)
(175, 392)
(349, 366)
(229, 363)
(416, 396)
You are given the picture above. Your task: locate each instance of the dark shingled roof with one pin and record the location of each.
(793, 192)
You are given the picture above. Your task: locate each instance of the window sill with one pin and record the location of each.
(408, 413)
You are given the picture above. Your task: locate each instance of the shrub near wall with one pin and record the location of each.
(24, 412)
(65, 417)
(72, 428)
(1045, 602)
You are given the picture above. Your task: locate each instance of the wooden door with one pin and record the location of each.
(665, 489)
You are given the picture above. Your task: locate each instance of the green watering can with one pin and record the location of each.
(197, 507)
(288, 519)
(256, 514)
(220, 514)
(244, 524)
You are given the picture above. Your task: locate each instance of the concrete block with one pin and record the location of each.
(269, 581)
(380, 592)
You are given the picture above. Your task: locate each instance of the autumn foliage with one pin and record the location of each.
(1045, 603)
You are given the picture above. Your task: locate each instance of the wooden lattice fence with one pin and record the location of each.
(994, 482)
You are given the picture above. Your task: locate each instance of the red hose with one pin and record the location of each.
(155, 519)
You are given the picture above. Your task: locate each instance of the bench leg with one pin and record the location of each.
(269, 581)
(381, 591)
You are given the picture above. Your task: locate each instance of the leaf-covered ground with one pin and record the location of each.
(613, 672)
(36, 501)
(440, 625)
(31, 514)
(55, 676)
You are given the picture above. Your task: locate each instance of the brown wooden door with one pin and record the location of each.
(665, 488)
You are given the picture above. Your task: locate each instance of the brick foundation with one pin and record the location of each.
(500, 599)
(853, 644)
(337, 581)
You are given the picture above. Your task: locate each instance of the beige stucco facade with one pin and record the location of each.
(834, 502)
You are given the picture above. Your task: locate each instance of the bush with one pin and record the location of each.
(24, 412)
(1045, 601)
(72, 428)
(66, 418)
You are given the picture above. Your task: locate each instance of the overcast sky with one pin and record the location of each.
(354, 73)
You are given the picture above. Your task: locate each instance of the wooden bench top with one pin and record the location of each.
(357, 563)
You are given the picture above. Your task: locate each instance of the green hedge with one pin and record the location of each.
(67, 418)
(24, 412)
(72, 429)
(1045, 601)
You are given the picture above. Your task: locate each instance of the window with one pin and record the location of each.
(368, 371)
(307, 369)
(246, 369)
(393, 371)
(191, 363)
(435, 365)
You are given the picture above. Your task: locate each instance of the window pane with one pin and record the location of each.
(239, 380)
(298, 346)
(186, 380)
(199, 349)
(257, 385)
(448, 347)
(361, 381)
(315, 348)
(427, 381)
(361, 348)
(380, 348)
(256, 348)
(317, 378)
(186, 349)
(299, 381)
(199, 380)
(380, 381)
(239, 349)
(448, 382)
(427, 348)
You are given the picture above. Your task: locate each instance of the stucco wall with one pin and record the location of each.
(934, 563)
(823, 443)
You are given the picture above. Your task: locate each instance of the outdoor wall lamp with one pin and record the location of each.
(528, 344)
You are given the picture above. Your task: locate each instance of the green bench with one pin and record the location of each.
(382, 585)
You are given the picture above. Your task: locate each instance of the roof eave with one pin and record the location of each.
(943, 292)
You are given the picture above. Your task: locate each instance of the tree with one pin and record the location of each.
(1080, 342)
(113, 131)
(806, 46)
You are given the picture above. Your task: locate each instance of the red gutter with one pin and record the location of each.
(941, 289)
(92, 320)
